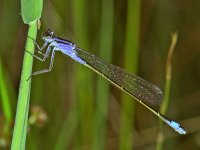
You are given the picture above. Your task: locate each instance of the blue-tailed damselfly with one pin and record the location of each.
(138, 88)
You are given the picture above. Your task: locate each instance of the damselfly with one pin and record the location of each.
(138, 88)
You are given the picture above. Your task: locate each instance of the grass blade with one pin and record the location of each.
(83, 85)
(131, 61)
(103, 95)
(6, 105)
(21, 119)
(31, 11)
(164, 107)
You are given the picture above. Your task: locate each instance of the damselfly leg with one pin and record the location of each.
(46, 55)
(50, 66)
(39, 48)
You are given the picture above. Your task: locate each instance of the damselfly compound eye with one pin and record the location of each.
(49, 33)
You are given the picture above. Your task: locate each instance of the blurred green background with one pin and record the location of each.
(72, 107)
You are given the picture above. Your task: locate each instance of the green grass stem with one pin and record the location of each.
(31, 11)
(131, 63)
(83, 84)
(21, 119)
(103, 87)
(4, 96)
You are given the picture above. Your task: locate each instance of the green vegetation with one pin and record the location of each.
(72, 107)
(31, 12)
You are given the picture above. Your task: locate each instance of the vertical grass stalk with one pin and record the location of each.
(4, 96)
(5, 105)
(21, 119)
(103, 90)
(131, 63)
(31, 11)
(164, 107)
(84, 97)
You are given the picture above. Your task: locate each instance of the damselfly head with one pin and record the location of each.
(48, 35)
